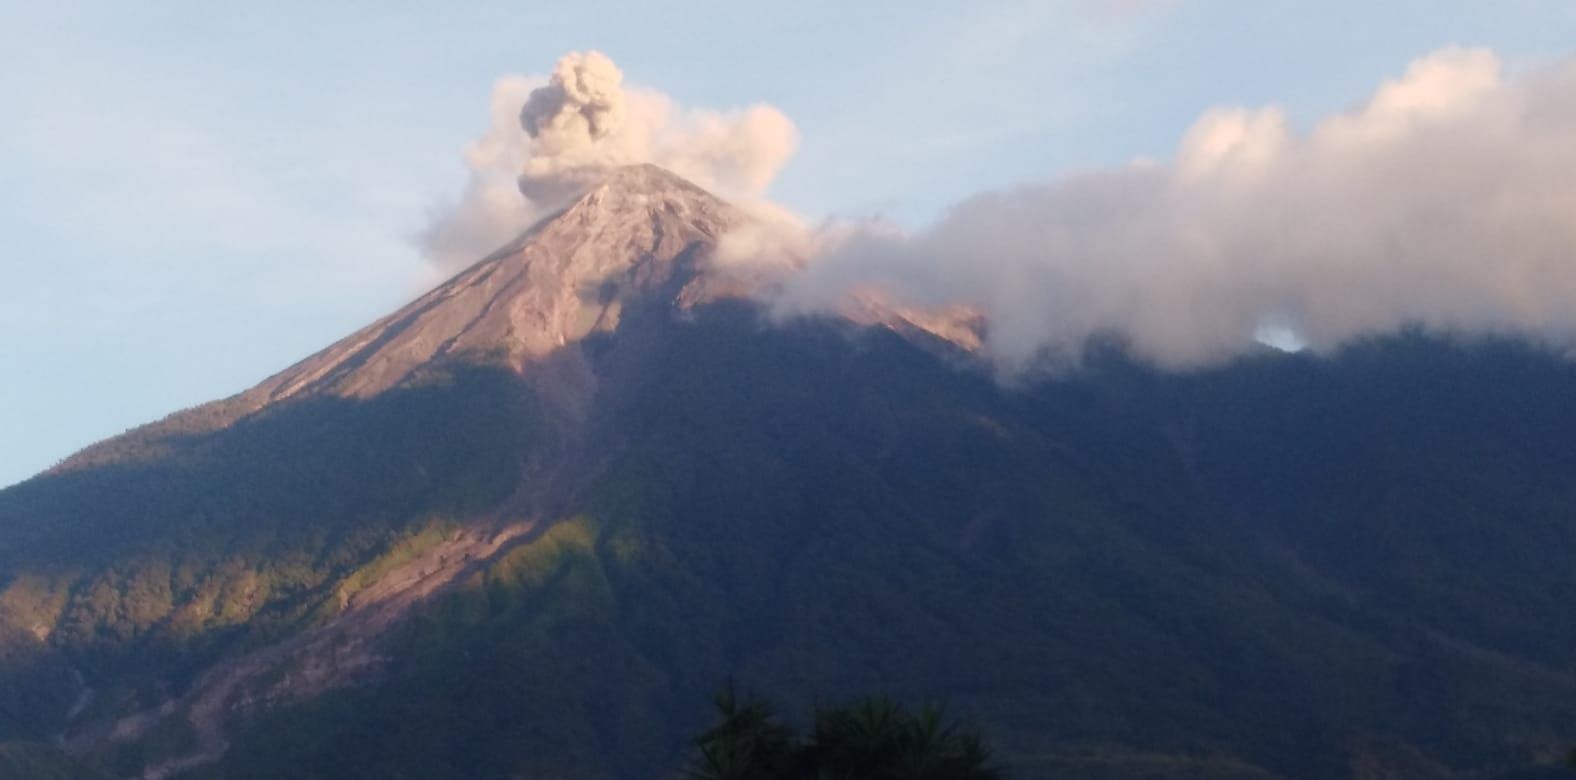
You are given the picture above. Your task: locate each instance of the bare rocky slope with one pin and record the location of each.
(638, 236)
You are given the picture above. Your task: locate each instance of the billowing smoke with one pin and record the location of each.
(572, 122)
(1446, 201)
(549, 137)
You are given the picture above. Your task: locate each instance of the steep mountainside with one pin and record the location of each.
(524, 526)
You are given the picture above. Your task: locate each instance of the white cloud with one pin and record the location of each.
(1444, 201)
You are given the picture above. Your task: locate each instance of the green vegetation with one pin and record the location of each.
(137, 570)
(399, 553)
(869, 739)
(34, 761)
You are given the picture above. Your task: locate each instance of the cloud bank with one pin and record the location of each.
(549, 136)
(1446, 200)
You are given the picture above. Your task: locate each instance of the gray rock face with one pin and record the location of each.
(638, 236)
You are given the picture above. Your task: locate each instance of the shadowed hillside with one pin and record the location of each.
(541, 564)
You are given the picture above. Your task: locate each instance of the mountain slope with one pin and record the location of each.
(151, 569)
(1086, 568)
(524, 527)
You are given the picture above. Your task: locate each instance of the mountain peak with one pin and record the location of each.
(637, 235)
(646, 178)
(638, 238)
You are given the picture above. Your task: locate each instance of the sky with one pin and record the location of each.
(199, 194)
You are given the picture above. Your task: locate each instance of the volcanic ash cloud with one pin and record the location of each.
(548, 137)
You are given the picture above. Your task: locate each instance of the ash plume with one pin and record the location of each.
(549, 136)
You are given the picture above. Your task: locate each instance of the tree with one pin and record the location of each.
(873, 738)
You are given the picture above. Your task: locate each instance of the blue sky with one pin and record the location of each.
(198, 194)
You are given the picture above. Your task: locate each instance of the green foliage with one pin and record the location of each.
(35, 761)
(153, 554)
(873, 738)
(747, 743)
(401, 552)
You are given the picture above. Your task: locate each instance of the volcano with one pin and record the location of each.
(527, 524)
